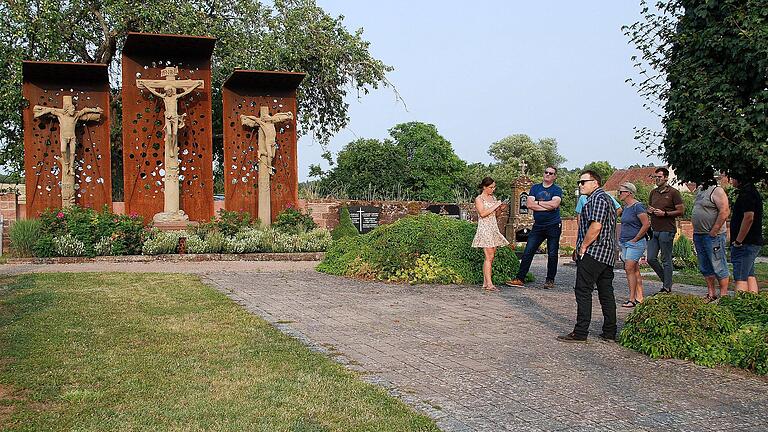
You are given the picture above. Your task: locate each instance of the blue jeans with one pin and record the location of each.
(550, 233)
(710, 252)
(662, 241)
(743, 259)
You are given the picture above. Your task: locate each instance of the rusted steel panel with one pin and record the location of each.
(144, 56)
(46, 84)
(243, 93)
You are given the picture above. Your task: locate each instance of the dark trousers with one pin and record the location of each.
(550, 233)
(590, 272)
(662, 241)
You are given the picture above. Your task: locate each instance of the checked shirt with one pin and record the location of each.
(599, 208)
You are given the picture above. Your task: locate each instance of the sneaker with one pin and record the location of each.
(571, 337)
(665, 291)
(515, 283)
(549, 284)
(607, 338)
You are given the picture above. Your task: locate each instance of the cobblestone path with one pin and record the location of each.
(484, 362)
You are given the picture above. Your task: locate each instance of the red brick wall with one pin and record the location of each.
(325, 213)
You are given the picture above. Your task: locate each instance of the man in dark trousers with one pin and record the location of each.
(544, 199)
(595, 258)
(664, 205)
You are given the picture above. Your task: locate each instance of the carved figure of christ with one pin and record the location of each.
(173, 122)
(68, 118)
(267, 135)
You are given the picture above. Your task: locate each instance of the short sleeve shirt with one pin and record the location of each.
(666, 200)
(541, 193)
(599, 208)
(749, 200)
(630, 222)
(583, 199)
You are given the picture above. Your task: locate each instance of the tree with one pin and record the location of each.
(705, 71)
(510, 151)
(366, 165)
(433, 169)
(417, 163)
(292, 35)
(604, 168)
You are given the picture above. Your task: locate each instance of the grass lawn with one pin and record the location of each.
(693, 277)
(126, 352)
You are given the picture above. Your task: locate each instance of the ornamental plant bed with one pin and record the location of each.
(293, 256)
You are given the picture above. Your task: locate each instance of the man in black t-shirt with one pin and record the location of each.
(746, 233)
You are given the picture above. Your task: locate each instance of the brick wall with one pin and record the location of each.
(325, 213)
(9, 210)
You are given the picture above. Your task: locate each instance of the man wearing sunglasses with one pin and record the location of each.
(595, 257)
(665, 204)
(544, 200)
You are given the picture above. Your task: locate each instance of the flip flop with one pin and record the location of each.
(629, 304)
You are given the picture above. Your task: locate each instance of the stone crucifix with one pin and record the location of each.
(523, 166)
(173, 122)
(267, 146)
(68, 118)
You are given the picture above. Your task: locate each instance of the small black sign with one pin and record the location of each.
(524, 203)
(365, 218)
(448, 210)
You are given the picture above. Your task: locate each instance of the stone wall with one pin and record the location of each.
(325, 213)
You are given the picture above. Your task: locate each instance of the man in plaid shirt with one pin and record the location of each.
(595, 257)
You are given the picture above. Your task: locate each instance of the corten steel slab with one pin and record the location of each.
(46, 84)
(144, 56)
(243, 93)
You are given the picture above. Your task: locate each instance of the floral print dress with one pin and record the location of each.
(488, 234)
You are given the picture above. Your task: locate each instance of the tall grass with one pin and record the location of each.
(23, 235)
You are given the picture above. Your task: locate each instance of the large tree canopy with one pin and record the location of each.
(705, 71)
(417, 163)
(291, 35)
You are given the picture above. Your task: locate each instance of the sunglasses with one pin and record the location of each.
(658, 177)
(583, 182)
(549, 173)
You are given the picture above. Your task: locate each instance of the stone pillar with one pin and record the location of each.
(520, 216)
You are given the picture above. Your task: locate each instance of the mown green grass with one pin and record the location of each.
(693, 277)
(109, 351)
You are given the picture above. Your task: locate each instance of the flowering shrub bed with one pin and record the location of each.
(84, 232)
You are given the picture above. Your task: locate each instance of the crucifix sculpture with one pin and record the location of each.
(68, 118)
(173, 122)
(267, 145)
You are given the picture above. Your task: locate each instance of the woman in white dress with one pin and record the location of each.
(488, 236)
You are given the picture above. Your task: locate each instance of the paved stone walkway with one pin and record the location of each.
(483, 362)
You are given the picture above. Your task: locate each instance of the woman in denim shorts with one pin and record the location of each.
(634, 225)
(746, 233)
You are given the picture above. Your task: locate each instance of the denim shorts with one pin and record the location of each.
(633, 251)
(710, 252)
(743, 259)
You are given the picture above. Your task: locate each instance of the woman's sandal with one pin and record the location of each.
(491, 288)
(629, 304)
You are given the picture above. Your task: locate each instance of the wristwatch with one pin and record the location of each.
(737, 243)
(665, 213)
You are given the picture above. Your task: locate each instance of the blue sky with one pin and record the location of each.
(485, 70)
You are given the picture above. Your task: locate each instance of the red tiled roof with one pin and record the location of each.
(634, 175)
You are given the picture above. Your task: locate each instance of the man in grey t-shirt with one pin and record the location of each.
(710, 211)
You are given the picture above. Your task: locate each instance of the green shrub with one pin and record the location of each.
(427, 269)
(748, 308)
(196, 245)
(293, 221)
(103, 247)
(215, 242)
(749, 348)
(390, 249)
(162, 242)
(228, 223)
(23, 235)
(683, 253)
(44, 246)
(680, 326)
(345, 228)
